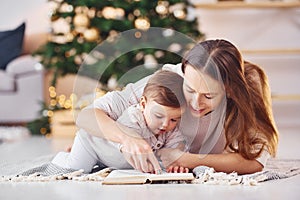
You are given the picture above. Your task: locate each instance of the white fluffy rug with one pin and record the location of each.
(40, 168)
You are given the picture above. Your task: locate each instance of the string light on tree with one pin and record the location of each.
(168, 32)
(112, 36)
(91, 13)
(78, 59)
(130, 17)
(52, 92)
(139, 56)
(93, 58)
(71, 52)
(159, 54)
(137, 12)
(137, 34)
(43, 131)
(112, 82)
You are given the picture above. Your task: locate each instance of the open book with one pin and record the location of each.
(118, 177)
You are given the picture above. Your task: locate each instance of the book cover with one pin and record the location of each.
(119, 177)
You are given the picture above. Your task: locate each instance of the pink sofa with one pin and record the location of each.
(21, 90)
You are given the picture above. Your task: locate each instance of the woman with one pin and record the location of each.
(228, 124)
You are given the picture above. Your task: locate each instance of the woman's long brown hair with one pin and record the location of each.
(249, 125)
(260, 93)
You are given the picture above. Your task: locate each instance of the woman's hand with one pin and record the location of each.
(139, 155)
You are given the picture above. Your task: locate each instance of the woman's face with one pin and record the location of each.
(202, 93)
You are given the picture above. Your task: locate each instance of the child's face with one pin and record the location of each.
(160, 119)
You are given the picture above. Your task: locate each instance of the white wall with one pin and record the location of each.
(34, 12)
(251, 29)
(269, 37)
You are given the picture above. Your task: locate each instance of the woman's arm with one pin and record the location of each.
(227, 162)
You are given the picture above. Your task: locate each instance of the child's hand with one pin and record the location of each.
(177, 169)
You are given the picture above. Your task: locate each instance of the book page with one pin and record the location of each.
(137, 177)
(171, 176)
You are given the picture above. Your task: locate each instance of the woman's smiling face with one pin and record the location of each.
(202, 93)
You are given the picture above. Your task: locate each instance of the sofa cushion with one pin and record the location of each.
(23, 64)
(11, 44)
(7, 82)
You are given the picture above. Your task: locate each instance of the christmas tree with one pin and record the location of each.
(79, 27)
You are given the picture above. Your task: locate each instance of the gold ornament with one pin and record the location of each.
(61, 25)
(162, 7)
(109, 12)
(120, 13)
(69, 37)
(91, 34)
(175, 47)
(81, 9)
(66, 8)
(112, 36)
(178, 10)
(59, 39)
(78, 60)
(142, 23)
(81, 20)
(113, 13)
(180, 14)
